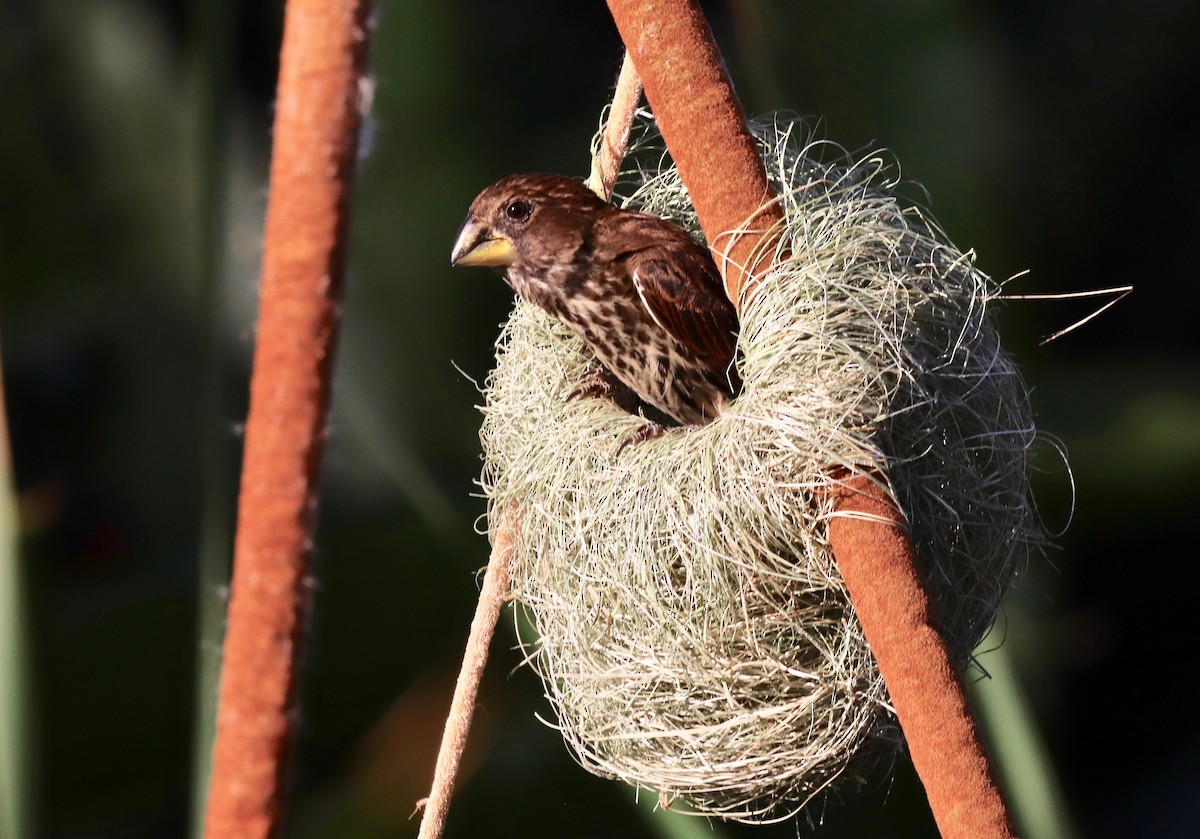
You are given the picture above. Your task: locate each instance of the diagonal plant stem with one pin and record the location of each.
(705, 131)
(870, 542)
(701, 120)
(614, 140)
(462, 707)
(606, 165)
(318, 114)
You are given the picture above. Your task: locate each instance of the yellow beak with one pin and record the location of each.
(478, 244)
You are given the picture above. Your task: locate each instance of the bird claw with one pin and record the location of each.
(603, 384)
(647, 431)
(598, 384)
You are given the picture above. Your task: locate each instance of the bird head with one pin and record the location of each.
(527, 221)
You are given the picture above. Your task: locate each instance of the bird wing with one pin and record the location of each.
(680, 288)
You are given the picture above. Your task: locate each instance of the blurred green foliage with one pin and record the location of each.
(1050, 136)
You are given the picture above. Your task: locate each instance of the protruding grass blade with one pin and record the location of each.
(1021, 758)
(211, 58)
(16, 753)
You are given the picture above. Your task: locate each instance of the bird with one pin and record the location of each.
(644, 296)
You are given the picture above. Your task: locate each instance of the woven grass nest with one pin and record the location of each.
(693, 632)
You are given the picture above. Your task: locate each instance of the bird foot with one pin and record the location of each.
(647, 431)
(601, 383)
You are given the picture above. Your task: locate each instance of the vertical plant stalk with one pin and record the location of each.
(705, 130)
(211, 48)
(1019, 752)
(466, 689)
(18, 794)
(318, 114)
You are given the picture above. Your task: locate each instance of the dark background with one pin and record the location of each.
(1051, 136)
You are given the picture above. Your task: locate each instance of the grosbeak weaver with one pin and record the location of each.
(641, 293)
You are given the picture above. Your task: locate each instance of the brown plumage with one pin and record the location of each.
(642, 294)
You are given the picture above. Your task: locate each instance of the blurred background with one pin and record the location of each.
(1051, 136)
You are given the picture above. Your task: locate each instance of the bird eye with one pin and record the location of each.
(518, 210)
